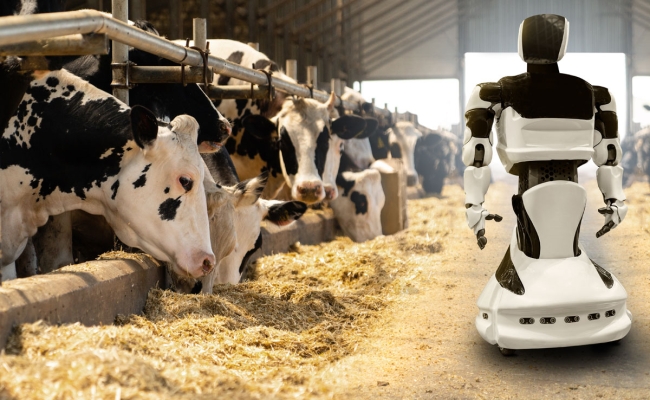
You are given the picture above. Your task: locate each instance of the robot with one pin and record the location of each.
(546, 291)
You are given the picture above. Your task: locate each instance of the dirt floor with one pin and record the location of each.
(428, 347)
(392, 318)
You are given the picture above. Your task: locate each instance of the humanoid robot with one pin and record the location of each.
(546, 292)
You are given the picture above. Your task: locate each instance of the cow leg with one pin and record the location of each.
(53, 243)
(26, 264)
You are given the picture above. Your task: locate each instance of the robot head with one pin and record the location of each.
(543, 38)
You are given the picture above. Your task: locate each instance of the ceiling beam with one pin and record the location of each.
(310, 24)
(415, 42)
(378, 37)
(431, 18)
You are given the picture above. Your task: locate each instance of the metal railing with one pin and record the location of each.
(28, 28)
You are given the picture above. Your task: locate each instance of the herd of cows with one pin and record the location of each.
(181, 177)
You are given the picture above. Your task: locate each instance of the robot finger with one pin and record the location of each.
(606, 210)
(481, 239)
(495, 217)
(606, 228)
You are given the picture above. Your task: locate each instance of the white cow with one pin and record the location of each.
(145, 179)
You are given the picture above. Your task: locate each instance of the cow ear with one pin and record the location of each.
(348, 126)
(371, 128)
(144, 126)
(260, 127)
(286, 212)
(247, 192)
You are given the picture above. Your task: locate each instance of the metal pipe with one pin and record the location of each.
(291, 69)
(71, 45)
(238, 92)
(120, 9)
(143, 74)
(200, 32)
(21, 28)
(312, 76)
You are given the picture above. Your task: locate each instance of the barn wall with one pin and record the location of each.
(596, 25)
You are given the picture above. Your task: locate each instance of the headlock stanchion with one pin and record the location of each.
(27, 28)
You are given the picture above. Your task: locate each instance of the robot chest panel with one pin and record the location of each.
(548, 96)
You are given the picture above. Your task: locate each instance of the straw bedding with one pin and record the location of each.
(273, 337)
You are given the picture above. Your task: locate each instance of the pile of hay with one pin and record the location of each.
(270, 338)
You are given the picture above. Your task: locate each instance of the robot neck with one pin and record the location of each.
(543, 68)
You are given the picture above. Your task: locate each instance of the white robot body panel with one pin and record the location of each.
(555, 209)
(566, 303)
(541, 139)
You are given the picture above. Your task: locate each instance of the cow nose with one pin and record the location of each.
(330, 193)
(310, 192)
(225, 128)
(208, 264)
(412, 180)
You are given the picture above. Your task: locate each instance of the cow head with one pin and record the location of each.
(358, 209)
(250, 211)
(433, 159)
(403, 137)
(158, 198)
(305, 135)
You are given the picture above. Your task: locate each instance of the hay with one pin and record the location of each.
(271, 338)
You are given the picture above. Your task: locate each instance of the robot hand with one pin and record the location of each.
(614, 214)
(476, 217)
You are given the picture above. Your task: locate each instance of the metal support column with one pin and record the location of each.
(120, 10)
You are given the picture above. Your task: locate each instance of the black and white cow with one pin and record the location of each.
(358, 208)
(249, 212)
(292, 145)
(166, 101)
(67, 145)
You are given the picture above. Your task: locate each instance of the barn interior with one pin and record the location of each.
(320, 314)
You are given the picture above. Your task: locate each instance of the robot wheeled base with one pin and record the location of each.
(567, 302)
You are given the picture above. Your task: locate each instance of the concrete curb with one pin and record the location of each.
(94, 293)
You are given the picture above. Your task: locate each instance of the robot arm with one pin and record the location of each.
(477, 154)
(607, 154)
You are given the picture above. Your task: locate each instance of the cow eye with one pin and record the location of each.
(186, 183)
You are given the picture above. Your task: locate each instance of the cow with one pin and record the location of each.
(67, 145)
(166, 100)
(249, 212)
(358, 208)
(288, 137)
(434, 157)
(403, 137)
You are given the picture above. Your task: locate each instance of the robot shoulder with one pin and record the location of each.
(484, 95)
(604, 99)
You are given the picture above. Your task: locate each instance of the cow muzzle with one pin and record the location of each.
(310, 192)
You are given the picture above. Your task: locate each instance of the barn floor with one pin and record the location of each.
(390, 318)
